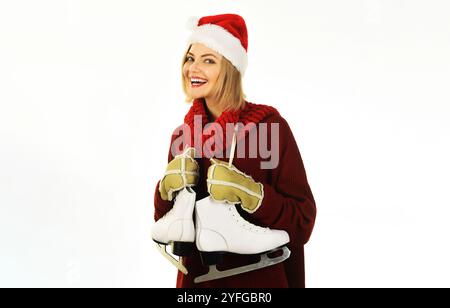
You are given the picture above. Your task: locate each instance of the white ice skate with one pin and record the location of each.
(177, 229)
(221, 229)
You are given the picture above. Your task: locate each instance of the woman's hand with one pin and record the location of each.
(227, 183)
(181, 172)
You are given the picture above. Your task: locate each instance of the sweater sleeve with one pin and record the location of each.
(288, 202)
(162, 206)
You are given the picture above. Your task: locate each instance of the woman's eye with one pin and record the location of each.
(210, 61)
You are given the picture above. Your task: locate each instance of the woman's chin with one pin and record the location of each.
(196, 95)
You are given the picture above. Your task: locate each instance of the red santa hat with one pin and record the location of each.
(225, 34)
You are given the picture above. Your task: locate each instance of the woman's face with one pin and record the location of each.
(201, 70)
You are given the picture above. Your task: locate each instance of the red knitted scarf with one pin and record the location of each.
(251, 113)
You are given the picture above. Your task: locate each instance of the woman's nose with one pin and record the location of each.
(194, 67)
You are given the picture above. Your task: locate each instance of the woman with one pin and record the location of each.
(277, 194)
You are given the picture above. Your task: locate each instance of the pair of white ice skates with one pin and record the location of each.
(219, 229)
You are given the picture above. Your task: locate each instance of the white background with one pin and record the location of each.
(90, 92)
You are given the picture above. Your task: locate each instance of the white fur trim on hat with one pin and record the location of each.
(223, 42)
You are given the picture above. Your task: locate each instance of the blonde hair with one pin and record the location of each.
(228, 89)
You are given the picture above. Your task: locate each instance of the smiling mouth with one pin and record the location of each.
(197, 82)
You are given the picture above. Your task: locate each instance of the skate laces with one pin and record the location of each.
(244, 223)
(239, 219)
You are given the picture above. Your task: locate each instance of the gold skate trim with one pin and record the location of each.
(178, 263)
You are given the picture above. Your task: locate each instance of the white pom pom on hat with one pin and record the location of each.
(192, 23)
(224, 33)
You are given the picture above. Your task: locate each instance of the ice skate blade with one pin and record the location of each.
(178, 263)
(265, 261)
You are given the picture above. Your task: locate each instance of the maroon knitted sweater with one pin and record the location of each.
(288, 202)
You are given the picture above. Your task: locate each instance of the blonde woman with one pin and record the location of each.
(265, 180)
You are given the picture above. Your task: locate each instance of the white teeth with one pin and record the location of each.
(198, 80)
